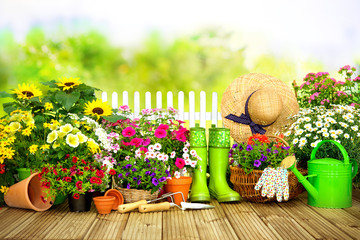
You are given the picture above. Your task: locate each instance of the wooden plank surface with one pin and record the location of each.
(241, 220)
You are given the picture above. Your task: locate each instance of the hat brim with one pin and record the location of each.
(235, 96)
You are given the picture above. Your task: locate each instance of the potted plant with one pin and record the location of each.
(249, 160)
(156, 134)
(330, 110)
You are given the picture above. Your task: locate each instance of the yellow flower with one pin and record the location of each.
(48, 106)
(55, 145)
(97, 108)
(11, 139)
(68, 83)
(93, 146)
(46, 125)
(61, 134)
(15, 117)
(8, 153)
(26, 91)
(4, 189)
(82, 137)
(45, 147)
(2, 158)
(7, 129)
(33, 148)
(4, 143)
(51, 137)
(72, 140)
(28, 119)
(66, 128)
(14, 126)
(26, 131)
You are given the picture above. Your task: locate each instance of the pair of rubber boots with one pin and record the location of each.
(219, 146)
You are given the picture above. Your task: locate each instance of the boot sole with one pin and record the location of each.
(201, 198)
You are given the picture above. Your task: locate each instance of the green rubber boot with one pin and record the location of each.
(199, 190)
(219, 146)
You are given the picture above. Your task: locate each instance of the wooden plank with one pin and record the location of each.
(143, 226)
(246, 223)
(213, 224)
(74, 225)
(339, 218)
(314, 223)
(284, 224)
(108, 226)
(355, 209)
(12, 218)
(37, 225)
(356, 194)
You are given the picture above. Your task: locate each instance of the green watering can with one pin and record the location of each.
(329, 181)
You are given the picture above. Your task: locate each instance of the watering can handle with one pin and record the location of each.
(342, 150)
(355, 170)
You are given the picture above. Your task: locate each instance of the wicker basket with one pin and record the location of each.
(244, 183)
(134, 195)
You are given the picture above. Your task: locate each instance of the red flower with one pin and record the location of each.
(55, 172)
(93, 180)
(67, 179)
(99, 181)
(86, 168)
(180, 163)
(79, 185)
(67, 156)
(2, 168)
(259, 137)
(45, 184)
(76, 196)
(136, 142)
(74, 159)
(64, 170)
(112, 172)
(100, 173)
(83, 161)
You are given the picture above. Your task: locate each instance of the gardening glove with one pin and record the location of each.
(282, 186)
(262, 179)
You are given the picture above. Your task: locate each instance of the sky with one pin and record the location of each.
(323, 30)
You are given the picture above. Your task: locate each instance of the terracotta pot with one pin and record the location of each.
(181, 184)
(23, 173)
(27, 194)
(104, 204)
(82, 204)
(119, 199)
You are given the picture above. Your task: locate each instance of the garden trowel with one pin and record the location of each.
(144, 205)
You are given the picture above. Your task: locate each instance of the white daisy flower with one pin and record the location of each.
(299, 132)
(351, 121)
(325, 134)
(308, 135)
(355, 128)
(307, 119)
(313, 144)
(339, 131)
(327, 125)
(347, 136)
(358, 134)
(316, 137)
(295, 141)
(303, 140)
(349, 115)
(307, 126)
(332, 132)
(334, 136)
(324, 130)
(345, 117)
(318, 124)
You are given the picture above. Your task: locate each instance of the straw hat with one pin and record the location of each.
(270, 103)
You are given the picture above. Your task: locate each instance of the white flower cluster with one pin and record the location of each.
(318, 123)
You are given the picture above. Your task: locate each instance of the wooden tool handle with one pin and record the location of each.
(124, 208)
(154, 207)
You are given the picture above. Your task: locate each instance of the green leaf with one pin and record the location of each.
(114, 118)
(51, 84)
(4, 94)
(67, 100)
(61, 155)
(9, 107)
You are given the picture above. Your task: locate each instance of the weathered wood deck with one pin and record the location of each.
(243, 220)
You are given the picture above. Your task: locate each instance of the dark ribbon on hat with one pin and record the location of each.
(246, 119)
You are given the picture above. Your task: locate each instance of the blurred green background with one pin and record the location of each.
(203, 61)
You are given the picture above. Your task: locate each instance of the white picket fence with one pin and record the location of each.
(190, 116)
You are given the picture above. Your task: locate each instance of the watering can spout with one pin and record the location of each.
(303, 180)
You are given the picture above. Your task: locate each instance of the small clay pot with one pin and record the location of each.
(119, 199)
(104, 204)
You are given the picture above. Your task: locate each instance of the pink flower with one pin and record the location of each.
(136, 142)
(181, 138)
(160, 133)
(125, 143)
(143, 150)
(180, 163)
(124, 108)
(128, 132)
(163, 126)
(146, 142)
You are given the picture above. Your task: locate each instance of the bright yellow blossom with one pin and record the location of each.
(4, 189)
(46, 125)
(26, 91)
(68, 83)
(48, 106)
(33, 148)
(14, 126)
(2, 158)
(11, 139)
(45, 147)
(8, 153)
(26, 131)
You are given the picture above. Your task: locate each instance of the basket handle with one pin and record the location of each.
(279, 138)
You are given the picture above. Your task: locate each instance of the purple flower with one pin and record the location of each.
(268, 150)
(155, 182)
(128, 166)
(153, 174)
(147, 173)
(120, 175)
(162, 179)
(235, 145)
(276, 151)
(257, 163)
(134, 169)
(147, 160)
(138, 182)
(263, 157)
(168, 173)
(128, 186)
(285, 148)
(134, 178)
(249, 148)
(127, 174)
(149, 165)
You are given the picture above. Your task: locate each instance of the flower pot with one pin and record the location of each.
(119, 199)
(181, 184)
(82, 204)
(28, 194)
(59, 199)
(104, 204)
(23, 173)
